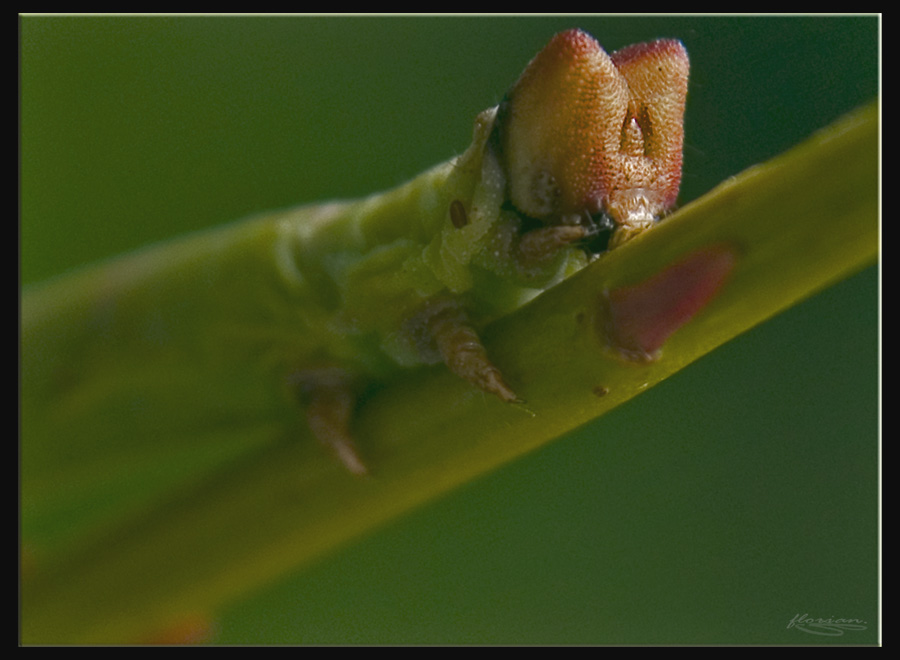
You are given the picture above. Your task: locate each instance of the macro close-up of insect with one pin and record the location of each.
(203, 411)
(343, 292)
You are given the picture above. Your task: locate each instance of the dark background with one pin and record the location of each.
(711, 509)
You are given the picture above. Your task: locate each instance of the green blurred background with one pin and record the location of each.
(711, 509)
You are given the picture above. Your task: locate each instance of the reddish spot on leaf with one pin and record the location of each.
(195, 629)
(642, 317)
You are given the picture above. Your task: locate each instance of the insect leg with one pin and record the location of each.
(463, 353)
(538, 245)
(328, 396)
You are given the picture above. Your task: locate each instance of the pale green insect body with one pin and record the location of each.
(145, 372)
(188, 348)
(368, 268)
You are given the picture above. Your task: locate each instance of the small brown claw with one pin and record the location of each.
(464, 354)
(329, 399)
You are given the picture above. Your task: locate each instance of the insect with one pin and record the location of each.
(296, 310)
